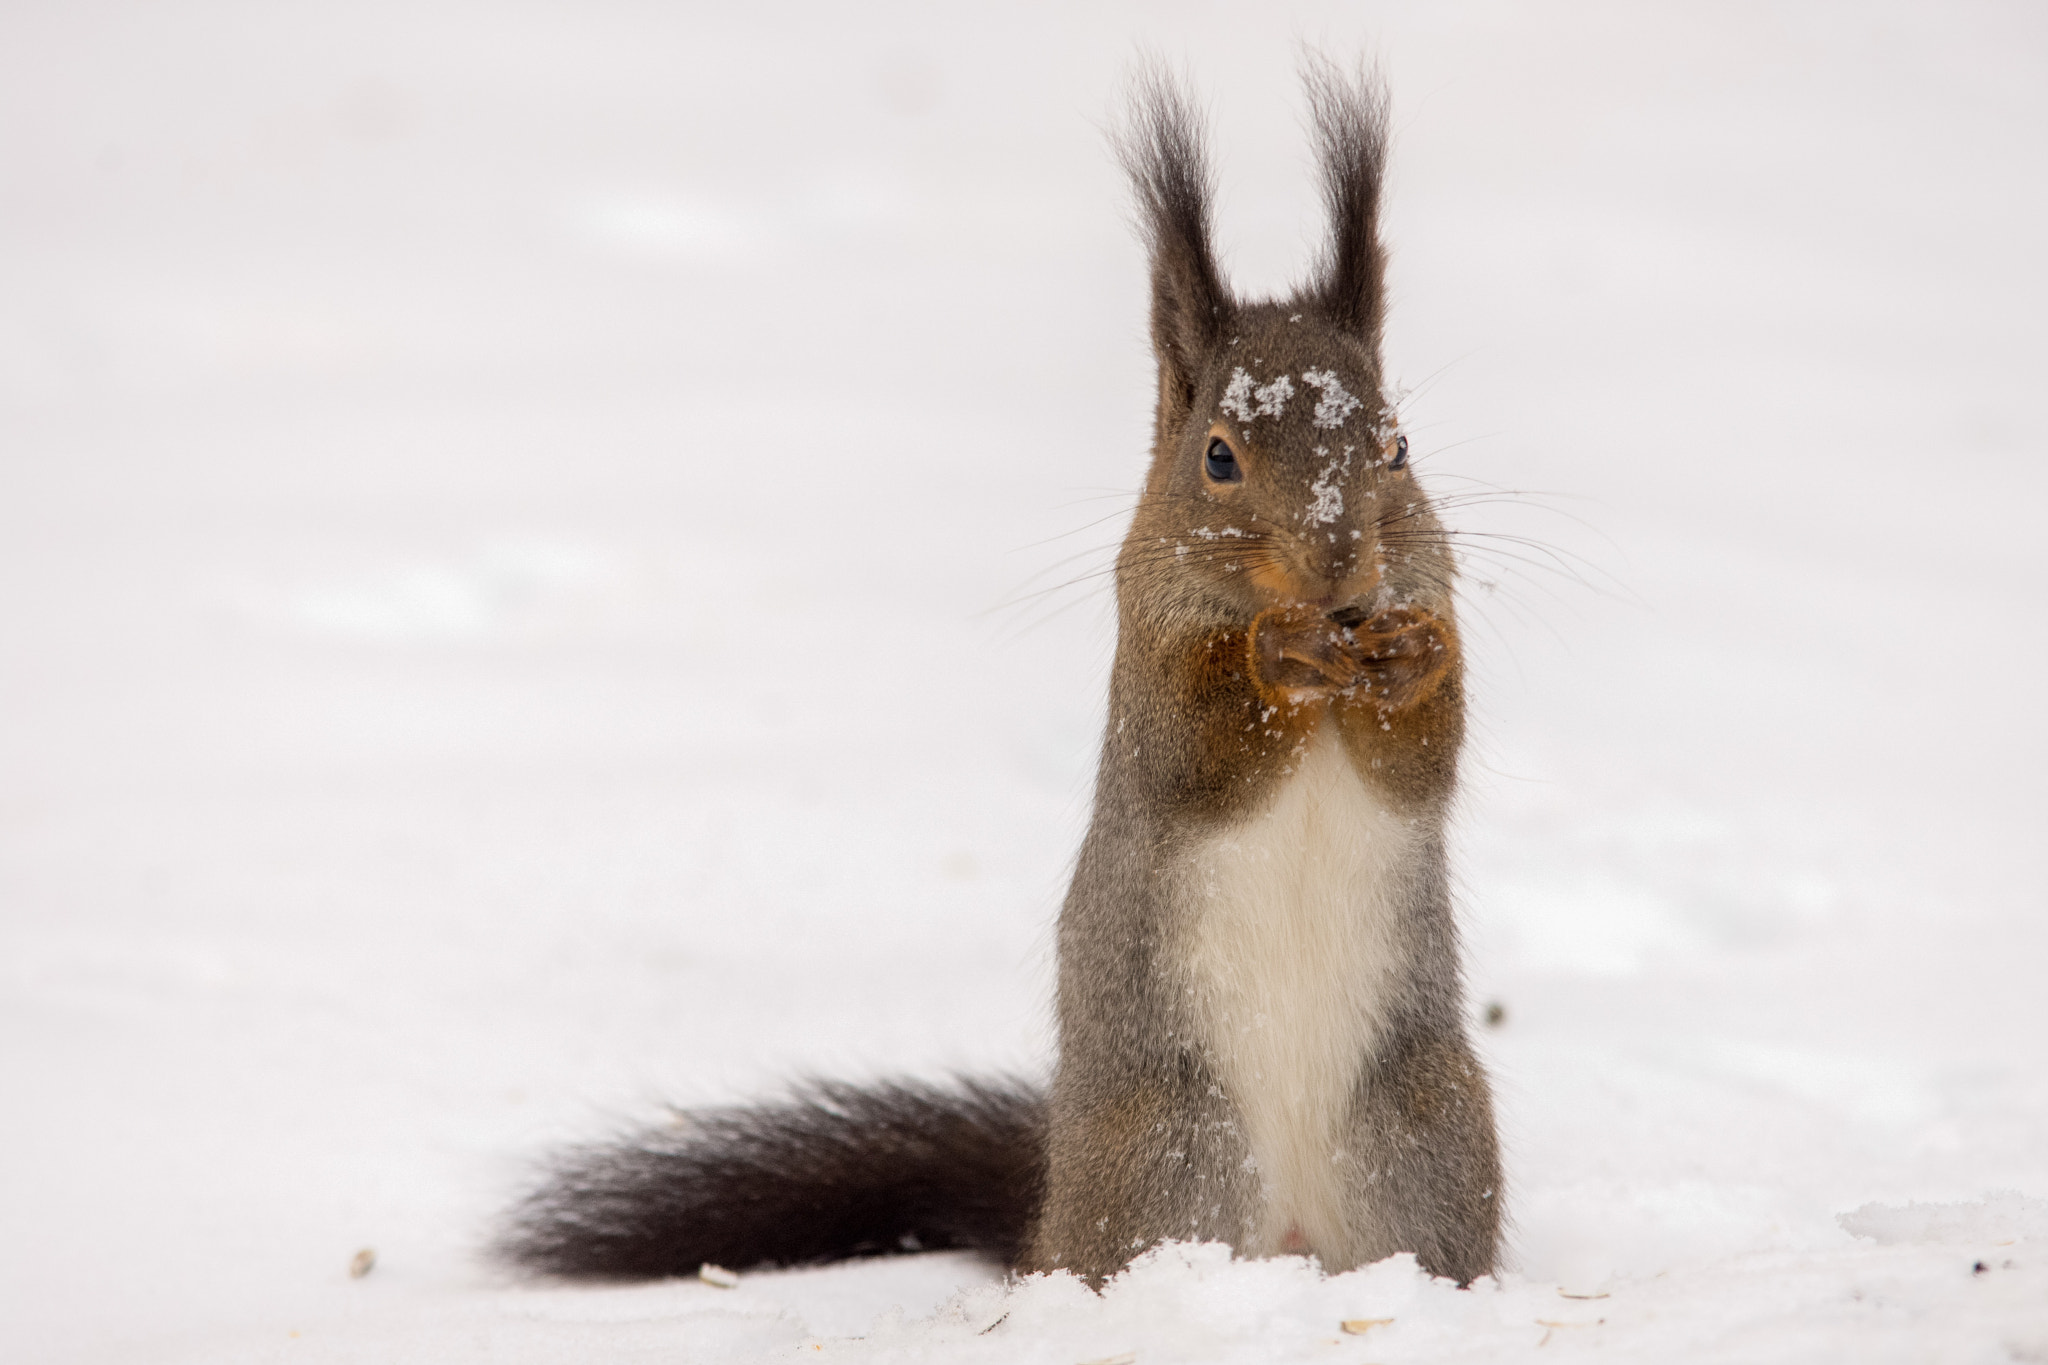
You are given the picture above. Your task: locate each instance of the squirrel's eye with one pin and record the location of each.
(1400, 460)
(1222, 462)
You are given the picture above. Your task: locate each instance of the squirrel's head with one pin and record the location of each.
(1279, 474)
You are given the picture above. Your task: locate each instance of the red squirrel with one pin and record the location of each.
(1262, 1034)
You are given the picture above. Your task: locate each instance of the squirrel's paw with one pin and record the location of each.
(1392, 659)
(1299, 655)
(1402, 652)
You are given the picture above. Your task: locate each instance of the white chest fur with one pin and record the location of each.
(1294, 948)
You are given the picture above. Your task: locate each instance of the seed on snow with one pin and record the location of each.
(1358, 1327)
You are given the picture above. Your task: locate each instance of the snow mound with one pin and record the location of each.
(2002, 1217)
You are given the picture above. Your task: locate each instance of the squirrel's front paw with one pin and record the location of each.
(1300, 655)
(1393, 658)
(1402, 653)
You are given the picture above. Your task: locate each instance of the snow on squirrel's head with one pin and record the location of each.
(1279, 474)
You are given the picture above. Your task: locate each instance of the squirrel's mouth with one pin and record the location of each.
(1356, 613)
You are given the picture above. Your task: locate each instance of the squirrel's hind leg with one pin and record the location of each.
(1425, 1163)
(1136, 1163)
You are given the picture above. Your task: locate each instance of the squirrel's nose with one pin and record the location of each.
(1352, 568)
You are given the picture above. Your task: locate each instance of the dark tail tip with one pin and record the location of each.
(835, 1170)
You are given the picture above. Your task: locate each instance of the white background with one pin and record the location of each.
(549, 562)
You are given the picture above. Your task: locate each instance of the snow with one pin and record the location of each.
(1239, 397)
(1328, 491)
(1335, 403)
(518, 538)
(1273, 397)
(1998, 1221)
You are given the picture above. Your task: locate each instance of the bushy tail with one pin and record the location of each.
(836, 1170)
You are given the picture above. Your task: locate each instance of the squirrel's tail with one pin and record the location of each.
(836, 1170)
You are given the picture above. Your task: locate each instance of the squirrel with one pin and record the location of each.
(1261, 1026)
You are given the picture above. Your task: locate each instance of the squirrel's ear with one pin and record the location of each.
(1163, 148)
(1349, 114)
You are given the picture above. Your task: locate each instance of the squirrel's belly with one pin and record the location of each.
(1295, 948)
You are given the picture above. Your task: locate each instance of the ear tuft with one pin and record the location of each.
(1163, 147)
(1349, 115)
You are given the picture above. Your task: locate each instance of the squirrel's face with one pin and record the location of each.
(1284, 478)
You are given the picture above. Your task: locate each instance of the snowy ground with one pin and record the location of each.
(518, 533)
